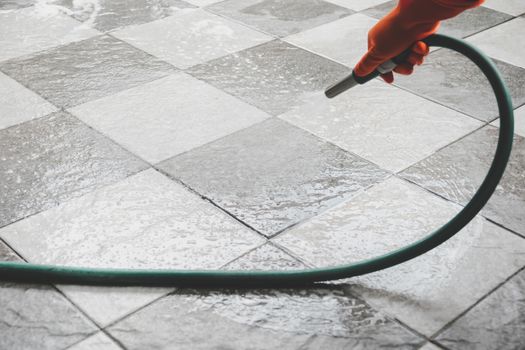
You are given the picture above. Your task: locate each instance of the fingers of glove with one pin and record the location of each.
(368, 64)
(421, 48)
(388, 77)
(404, 69)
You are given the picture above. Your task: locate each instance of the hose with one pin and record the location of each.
(32, 273)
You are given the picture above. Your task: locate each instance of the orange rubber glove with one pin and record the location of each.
(408, 22)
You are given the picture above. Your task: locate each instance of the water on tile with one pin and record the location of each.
(50, 160)
(107, 15)
(456, 172)
(452, 80)
(86, 70)
(275, 77)
(273, 175)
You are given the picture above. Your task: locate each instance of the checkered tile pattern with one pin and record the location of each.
(195, 134)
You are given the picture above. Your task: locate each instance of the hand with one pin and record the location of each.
(404, 27)
(391, 36)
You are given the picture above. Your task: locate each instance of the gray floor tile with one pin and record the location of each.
(425, 293)
(86, 70)
(452, 80)
(456, 172)
(110, 14)
(280, 17)
(191, 37)
(498, 322)
(50, 160)
(467, 23)
(273, 175)
(30, 30)
(323, 318)
(274, 77)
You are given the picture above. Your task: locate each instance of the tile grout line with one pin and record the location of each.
(472, 306)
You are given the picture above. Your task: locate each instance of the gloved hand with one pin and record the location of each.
(409, 22)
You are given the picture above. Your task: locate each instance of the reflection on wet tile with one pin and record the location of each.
(168, 116)
(456, 172)
(381, 123)
(99, 341)
(18, 104)
(38, 317)
(280, 17)
(357, 5)
(274, 77)
(50, 160)
(496, 42)
(498, 322)
(266, 257)
(144, 221)
(273, 175)
(424, 293)
(105, 15)
(519, 121)
(512, 7)
(29, 30)
(191, 38)
(452, 80)
(323, 318)
(465, 24)
(86, 70)
(331, 40)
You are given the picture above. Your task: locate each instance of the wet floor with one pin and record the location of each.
(195, 134)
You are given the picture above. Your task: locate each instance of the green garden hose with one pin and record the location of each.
(31, 273)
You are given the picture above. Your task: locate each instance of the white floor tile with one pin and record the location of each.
(382, 123)
(19, 104)
(191, 37)
(99, 341)
(519, 121)
(504, 42)
(512, 7)
(168, 116)
(105, 305)
(145, 221)
(427, 292)
(344, 40)
(357, 5)
(31, 30)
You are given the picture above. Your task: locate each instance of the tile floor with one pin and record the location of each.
(194, 134)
